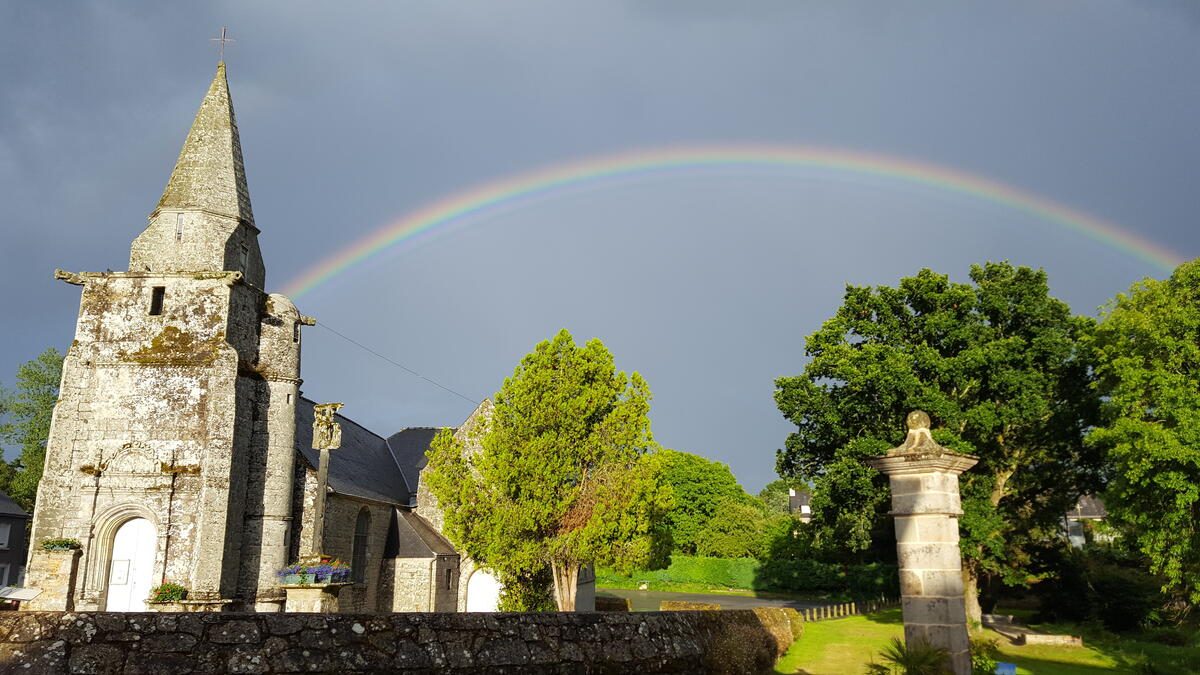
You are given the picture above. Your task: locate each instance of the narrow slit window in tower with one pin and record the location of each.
(178, 228)
(156, 300)
(449, 579)
(296, 332)
(245, 256)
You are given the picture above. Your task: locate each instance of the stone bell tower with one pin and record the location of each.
(170, 456)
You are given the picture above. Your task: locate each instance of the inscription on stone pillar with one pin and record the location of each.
(926, 507)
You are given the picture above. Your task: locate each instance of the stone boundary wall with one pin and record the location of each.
(730, 641)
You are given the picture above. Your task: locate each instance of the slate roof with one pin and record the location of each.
(362, 467)
(408, 446)
(800, 498)
(411, 536)
(1088, 508)
(9, 508)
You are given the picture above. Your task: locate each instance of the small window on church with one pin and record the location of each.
(178, 228)
(156, 300)
(358, 558)
(245, 256)
(449, 579)
(296, 332)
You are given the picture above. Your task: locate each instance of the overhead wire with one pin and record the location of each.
(403, 367)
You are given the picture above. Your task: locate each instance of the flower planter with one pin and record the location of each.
(298, 579)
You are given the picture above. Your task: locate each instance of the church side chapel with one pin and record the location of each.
(182, 451)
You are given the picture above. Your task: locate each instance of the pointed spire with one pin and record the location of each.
(209, 174)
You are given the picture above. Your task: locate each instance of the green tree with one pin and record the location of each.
(737, 530)
(1148, 365)
(699, 486)
(775, 496)
(27, 411)
(997, 364)
(565, 475)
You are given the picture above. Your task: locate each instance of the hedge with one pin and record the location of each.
(779, 576)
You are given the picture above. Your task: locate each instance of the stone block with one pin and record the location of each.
(922, 556)
(927, 502)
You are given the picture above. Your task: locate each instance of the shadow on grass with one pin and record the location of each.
(887, 616)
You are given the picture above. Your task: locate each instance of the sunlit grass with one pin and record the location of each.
(844, 646)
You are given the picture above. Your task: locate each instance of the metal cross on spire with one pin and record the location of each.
(222, 40)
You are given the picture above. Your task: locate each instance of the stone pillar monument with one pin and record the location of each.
(926, 507)
(320, 596)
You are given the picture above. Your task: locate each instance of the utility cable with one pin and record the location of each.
(394, 363)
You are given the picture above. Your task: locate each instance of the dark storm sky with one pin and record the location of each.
(355, 114)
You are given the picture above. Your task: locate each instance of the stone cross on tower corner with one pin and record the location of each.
(327, 435)
(926, 506)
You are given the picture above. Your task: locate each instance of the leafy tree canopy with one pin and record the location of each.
(699, 486)
(775, 496)
(565, 474)
(1148, 364)
(26, 412)
(736, 530)
(995, 363)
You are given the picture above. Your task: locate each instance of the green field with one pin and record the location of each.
(844, 646)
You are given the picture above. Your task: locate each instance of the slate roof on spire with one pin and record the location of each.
(209, 173)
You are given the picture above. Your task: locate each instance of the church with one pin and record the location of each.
(181, 448)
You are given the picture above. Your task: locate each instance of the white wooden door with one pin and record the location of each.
(129, 571)
(483, 592)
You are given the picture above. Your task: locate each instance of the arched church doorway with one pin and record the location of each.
(483, 592)
(131, 566)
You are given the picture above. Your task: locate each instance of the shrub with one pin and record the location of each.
(985, 656)
(60, 544)
(921, 658)
(780, 576)
(1104, 586)
(1172, 637)
(168, 593)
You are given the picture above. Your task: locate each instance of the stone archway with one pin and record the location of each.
(100, 551)
(131, 566)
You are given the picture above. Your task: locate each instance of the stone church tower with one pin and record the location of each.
(171, 454)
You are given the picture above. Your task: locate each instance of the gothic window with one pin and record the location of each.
(156, 300)
(449, 579)
(358, 558)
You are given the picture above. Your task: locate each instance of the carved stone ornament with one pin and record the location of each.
(327, 434)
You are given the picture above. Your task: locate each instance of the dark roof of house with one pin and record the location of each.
(362, 467)
(801, 498)
(408, 446)
(411, 536)
(9, 508)
(1088, 507)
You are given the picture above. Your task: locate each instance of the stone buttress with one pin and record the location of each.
(177, 402)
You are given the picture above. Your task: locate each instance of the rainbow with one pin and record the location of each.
(489, 198)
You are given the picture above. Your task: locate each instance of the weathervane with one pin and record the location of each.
(222, 40)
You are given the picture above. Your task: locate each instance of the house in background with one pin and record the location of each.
(1081, 521)
(12, 542)
(798, 503)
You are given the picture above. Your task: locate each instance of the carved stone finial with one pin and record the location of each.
(917, 419)
(327, 434)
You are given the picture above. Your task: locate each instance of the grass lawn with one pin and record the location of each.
(844, 646)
